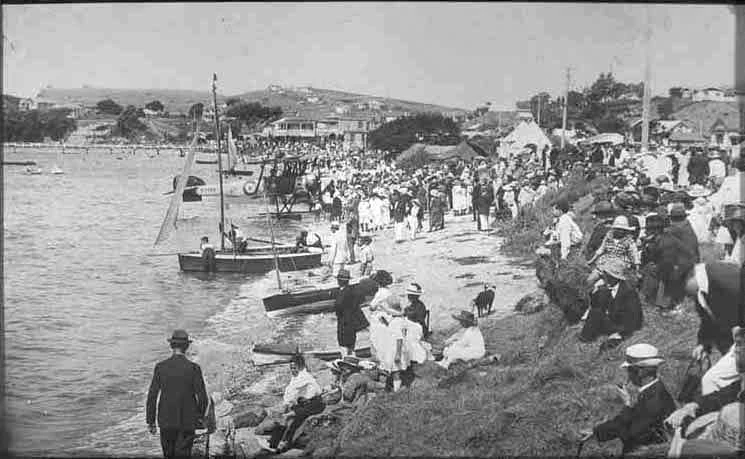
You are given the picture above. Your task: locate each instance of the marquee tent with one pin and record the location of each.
(526, 133)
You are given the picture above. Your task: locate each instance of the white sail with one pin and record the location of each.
(232, 150)
(169, 222)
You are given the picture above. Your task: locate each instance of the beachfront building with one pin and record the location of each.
(294, 128)
(355, 130)
(713, 94)
(725, 132)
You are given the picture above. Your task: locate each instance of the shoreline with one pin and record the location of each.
(449, 282)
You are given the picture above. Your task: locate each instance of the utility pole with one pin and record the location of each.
(647, 88)
(564, 114)
(540, 103)
(739, 11)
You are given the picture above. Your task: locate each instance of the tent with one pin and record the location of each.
(608, 137)
(526, 133)
(440, 153)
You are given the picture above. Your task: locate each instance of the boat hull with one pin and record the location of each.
(247, 263)
(303, 302)
(268, 357)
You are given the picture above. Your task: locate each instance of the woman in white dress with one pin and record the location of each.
(364, 214)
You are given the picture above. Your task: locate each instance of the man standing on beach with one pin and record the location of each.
(183, 399)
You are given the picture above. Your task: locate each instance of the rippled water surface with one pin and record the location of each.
(88, 307)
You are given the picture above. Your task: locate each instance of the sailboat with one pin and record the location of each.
(56, 170)
(252, 260)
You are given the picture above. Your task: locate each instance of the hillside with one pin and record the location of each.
(321, 102)
(174, 100)
(303, 101)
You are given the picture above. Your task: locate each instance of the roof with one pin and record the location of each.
(527, 133)
(727, 123)
(463, 150)
(706, 113)
(686, 137)
(293, 119)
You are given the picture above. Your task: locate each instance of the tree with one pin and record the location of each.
(155, 106)
(35, 126)
(253, 113)
(196, 110)
(109, 107)
(400, 134)
(128, 124)
(232, 101)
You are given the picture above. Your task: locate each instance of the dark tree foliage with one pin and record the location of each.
(253, 113)
(109, 107)
(128, 124)
(232, 101)
(398, 135)
(196, 110)
(35, 125)
(155, 106)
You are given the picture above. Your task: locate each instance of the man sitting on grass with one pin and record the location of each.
(615, 308)
(302, 399)
(466, 344)
(646, 403)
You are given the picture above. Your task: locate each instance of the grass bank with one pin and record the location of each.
(545, 388)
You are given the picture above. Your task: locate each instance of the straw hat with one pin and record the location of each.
(414, 289)
(465, 317)
(642, 355)
(622, 223)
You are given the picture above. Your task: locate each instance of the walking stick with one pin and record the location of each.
(579, 448)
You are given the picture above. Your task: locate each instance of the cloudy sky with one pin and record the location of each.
(451, 54)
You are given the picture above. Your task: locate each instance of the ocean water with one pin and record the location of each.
(88, 307)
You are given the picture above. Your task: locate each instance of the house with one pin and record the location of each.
(704, 115)
(525, 115)
(355, 130)
(683, 139)
(313, 99)
(375, 104)
(725, 132)
(294, 127)
(275, 88)
(342, 109)
(328, 128)
(710, 94)
(149, 112)
(26, 105)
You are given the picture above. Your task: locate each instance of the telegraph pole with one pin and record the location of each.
(539, 109)
(647, 88)
(564, 114)
(739, 12)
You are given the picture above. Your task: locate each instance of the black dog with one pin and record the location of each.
(484, 300)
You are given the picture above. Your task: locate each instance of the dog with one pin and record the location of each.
(484, 300)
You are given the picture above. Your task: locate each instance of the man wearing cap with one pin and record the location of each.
(677, 253)
(640, 422)
(349, 316)
(717, 288)
(604, 213)
(466, 344)
(183, 399)
(709, 404)
(615, 308)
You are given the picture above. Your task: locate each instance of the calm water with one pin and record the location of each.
(88, 309)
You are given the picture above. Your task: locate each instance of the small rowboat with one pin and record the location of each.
(277, 354)
(312, 299)
(253, 260)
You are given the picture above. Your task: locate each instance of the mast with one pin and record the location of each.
(564, 113)
(647, 88)
(219, 162)
(274, 250)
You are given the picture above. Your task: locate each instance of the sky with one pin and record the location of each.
(458, 55)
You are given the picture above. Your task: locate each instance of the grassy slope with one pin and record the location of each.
(546, 388)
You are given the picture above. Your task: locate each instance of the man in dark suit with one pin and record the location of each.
(183, 399)
(677, 252)
(640, 422)
(349, 316)
(615, 308)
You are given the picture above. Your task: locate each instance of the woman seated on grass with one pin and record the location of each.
(466, 344)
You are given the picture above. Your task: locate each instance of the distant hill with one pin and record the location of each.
(174, 100)
(300, 101)
(308, 101)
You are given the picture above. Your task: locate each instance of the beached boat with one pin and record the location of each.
(275, 354)
(33, 170)
(307, 300)
(56, 171)
(254, 260)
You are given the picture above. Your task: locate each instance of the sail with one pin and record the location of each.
(169, 222)
(232, 150)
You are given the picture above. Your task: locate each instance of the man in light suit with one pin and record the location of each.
(183, 399)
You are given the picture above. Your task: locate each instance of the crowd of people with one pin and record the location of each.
(652, 215)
